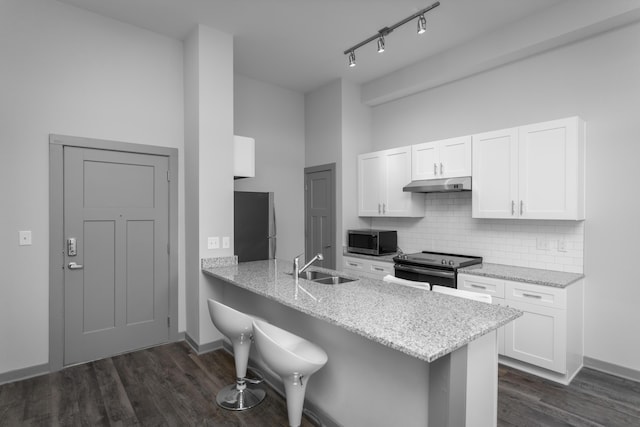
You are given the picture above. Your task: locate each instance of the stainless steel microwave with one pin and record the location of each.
(372, 242)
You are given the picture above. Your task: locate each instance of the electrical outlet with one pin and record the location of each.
(225, 242)
(213, 242)
(542, 244)
(25, 237)
(562, 245)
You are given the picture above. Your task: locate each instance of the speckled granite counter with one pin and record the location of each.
(419, 323)
(556, 279)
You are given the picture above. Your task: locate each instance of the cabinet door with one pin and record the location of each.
(455, 157)
(495, 174)
(548, 170)
(538, 337)
(370, 169)
(424, 161)
(396, 202)
(501, 330)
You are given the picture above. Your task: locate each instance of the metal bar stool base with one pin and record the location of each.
(232, 399)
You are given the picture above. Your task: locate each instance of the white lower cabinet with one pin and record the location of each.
(549, 335)
(373, 269)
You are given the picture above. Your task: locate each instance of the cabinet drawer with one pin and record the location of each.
(354, 264)
(381, 268)
(484, 285)
(536, 294)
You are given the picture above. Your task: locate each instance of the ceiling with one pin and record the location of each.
(299, 44)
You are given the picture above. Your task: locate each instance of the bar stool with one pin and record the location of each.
(238, 327)
(293, 358)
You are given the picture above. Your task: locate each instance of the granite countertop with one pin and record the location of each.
(556, 279)
(420, 323)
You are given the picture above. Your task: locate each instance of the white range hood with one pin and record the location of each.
(244, 157)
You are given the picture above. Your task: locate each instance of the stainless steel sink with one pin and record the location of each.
(334, 280)
(326, 278)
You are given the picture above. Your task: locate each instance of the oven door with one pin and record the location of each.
(425, 274)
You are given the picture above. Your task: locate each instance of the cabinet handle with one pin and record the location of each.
(478, 286)
(435, 169)
(532, 296)
(379, 210)
(441, 168)
(521, 207)
(378, 269)
(351, 264)
(384, 208)
(513, 207)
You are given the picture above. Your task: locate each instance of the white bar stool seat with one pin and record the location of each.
(238, 327)
(293, 358)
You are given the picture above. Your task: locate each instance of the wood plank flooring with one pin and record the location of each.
(592, 399)
(170, 385)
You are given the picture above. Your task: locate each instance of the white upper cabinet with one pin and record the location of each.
(381, 176)
(448, 158)
(532, 172)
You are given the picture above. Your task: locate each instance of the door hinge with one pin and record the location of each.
(168, 248)
(168, 322)
(168, 176)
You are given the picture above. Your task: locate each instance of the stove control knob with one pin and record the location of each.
(450, 262)
(443, 262)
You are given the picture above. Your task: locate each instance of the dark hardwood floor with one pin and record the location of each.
(170, 385)
(592, 399)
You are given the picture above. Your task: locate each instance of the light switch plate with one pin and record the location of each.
(225, 242)
(25, 237)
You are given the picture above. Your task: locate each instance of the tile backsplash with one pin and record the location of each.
(448, 227)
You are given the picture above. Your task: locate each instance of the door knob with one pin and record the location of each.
(74, 266)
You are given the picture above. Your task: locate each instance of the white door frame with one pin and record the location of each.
(56, 236)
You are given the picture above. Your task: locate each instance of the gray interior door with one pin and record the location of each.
(320, 214)
(116, 207)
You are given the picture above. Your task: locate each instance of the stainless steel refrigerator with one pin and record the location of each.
(254, 227)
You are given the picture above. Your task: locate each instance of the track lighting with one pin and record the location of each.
(381, 34)
(381, 44)
(352, 59)
(422, 24)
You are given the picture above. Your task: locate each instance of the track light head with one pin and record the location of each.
(352, 58)
(422, 24)
(381, 44)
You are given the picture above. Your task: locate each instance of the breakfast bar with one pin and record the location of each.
(397, 355)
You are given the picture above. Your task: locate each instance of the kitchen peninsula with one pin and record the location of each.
(397, 355)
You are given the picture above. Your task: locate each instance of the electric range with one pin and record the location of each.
(436, 268)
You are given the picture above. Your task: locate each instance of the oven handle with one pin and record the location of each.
(420, 270)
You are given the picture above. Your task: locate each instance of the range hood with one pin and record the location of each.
(439, 185)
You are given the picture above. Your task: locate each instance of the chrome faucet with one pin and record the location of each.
(296, 264)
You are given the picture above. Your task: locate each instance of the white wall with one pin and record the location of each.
(209, 149)
(338, 127)
(356, 139)
(70, 72)
(597, 79)
(275, 118)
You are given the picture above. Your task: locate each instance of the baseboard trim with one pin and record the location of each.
(613, 369)
(204, 348)
(24, 373)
